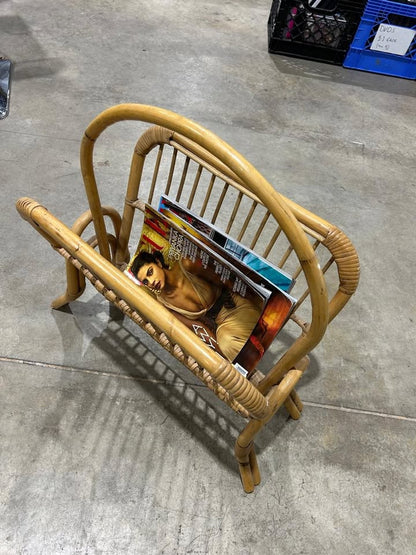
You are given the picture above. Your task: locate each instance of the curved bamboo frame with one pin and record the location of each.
(257, 400)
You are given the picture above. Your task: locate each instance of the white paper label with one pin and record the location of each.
(240, 369)
(393, 39)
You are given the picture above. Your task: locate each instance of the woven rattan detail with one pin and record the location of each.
(151, 137)
(346, 260)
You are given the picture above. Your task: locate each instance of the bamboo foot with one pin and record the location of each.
(254, 467)
(296, 399)
(246, 477)
(292, 409)
(249, 470)
(64, 299)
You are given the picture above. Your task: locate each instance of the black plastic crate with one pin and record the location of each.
(320, 30)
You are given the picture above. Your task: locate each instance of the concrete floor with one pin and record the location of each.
(106, 445)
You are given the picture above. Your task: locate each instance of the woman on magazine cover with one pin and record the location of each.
(185, 288)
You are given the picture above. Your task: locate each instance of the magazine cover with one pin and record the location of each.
(280, 303)
(272, 274)
(221, 305)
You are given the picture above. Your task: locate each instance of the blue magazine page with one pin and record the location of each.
(272, 274)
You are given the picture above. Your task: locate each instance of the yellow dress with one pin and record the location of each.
(233, 325)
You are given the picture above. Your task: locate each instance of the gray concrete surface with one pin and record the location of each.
(106, 445)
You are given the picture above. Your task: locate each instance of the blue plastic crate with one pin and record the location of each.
(385, 25)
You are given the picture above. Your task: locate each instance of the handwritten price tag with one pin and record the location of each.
(393, 39)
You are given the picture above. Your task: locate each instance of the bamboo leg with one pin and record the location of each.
(74, 289)
(244, 449)
(75, 279)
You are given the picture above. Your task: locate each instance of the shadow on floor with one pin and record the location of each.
(20, 46)
(170, 385)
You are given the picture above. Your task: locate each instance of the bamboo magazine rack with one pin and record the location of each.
(180, 158)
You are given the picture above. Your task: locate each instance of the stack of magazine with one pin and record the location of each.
(232, 299)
